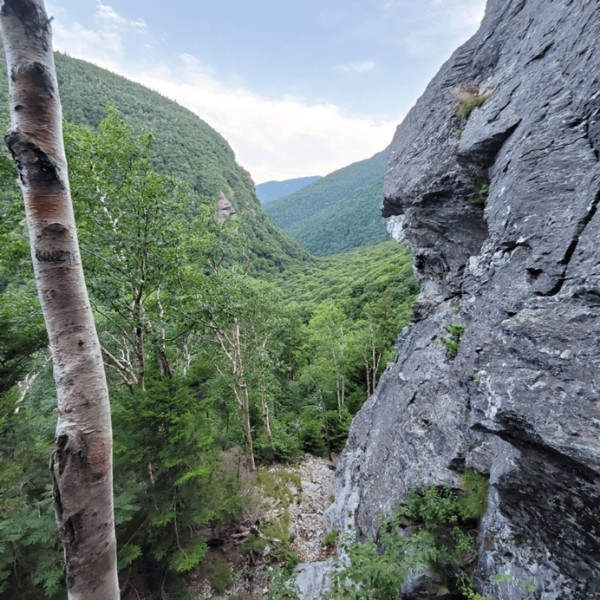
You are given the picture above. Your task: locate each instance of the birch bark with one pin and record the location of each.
(81, 464)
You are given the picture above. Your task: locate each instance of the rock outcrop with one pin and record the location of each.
(500, 210)
(225, 210)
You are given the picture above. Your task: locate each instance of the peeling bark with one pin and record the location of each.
(81, 464)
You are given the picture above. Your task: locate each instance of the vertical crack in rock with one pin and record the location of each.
(574, 243)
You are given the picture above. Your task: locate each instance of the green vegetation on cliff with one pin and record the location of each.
(434, 530)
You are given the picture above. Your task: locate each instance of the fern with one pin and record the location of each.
(186, 559)
(435, 528)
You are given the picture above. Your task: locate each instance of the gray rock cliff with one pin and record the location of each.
(500, 210)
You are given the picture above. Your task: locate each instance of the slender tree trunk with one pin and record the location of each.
(264, 401)
(265, 414)
(247, 426)
(376, 360)
(163, 358)
(239, 372)
(231, 345)
(343, 368)
(367, 372)
(338, 391)
(81, 463)
(140, 357)
(137, 313)
(324, 417)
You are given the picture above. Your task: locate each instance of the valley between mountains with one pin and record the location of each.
(308, 401)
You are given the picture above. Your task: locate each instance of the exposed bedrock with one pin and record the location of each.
(500, 210)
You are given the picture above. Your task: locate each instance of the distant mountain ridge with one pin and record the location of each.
(332, 214)
(185, 147)
(338, 212)
(273, 190)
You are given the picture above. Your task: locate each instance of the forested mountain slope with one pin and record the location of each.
(227, 347)
(336, 213)
(185, 147)
(273, 190)
(353, 222)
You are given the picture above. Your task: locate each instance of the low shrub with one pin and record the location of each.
(469, 97)
(220, 576)
(436, 528)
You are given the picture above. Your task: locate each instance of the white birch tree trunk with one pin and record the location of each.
(238, 370)
(231, 345)
(81, 463)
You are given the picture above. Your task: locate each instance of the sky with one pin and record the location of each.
(297, 87)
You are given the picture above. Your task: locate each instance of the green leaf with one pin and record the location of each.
(186, 559)
(127, 554)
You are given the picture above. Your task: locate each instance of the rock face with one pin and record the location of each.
(500, 210)
(225, 210)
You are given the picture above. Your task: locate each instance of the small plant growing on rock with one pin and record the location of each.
(481, 183)
(528, 587)
(218, 573)
(436, 528)
(254, 545)
(283, 587)
(469, 97)
(331, 539)
(480, 196)
(452, 342)
(465, 583)
(473, 503)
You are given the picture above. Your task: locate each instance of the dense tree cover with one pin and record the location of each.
(202, 359)
(357, 301)
(22, 329)
(337, 213)
(186, 147)
(359, 280)
(273, 190)
(351, 223)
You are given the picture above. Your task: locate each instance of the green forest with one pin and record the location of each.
(337, 213)
(228, 347)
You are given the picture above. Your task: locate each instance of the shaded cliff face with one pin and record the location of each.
(521, 399)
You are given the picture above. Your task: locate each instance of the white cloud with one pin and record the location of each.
(139, 24)
(101, 47)
(461, 15)
(108, 13)
(110, 16)
(105, 44)
(273, 137)
(451, 20)
(357, 66)
(421, 29)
